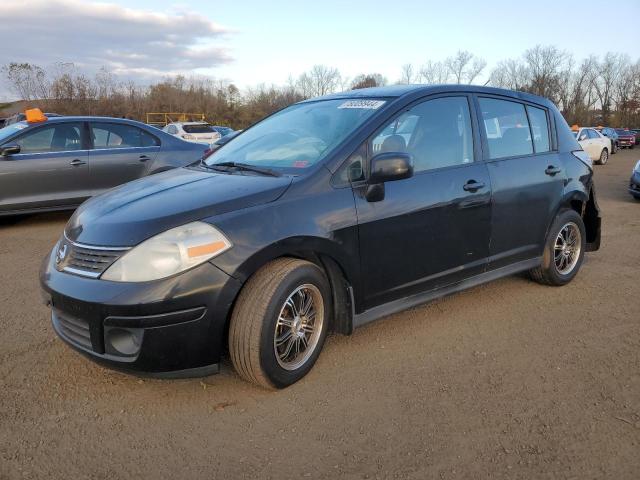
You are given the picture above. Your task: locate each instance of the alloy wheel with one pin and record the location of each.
(298, 327)
(567, 248)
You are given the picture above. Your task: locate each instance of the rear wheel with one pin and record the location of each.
(614, 148)
(564, 250)
(604, 156)
(280, 322)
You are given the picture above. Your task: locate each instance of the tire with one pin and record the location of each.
(632, 146)
(614, 148)
(604, 156)
(549, 272)
(262, 315)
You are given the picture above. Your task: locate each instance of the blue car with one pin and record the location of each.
(57, 163)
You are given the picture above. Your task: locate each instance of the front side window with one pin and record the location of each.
(437, 133)
(118, 135)
(539, 128)
(59, 137)
(299, 136)
(506, 128)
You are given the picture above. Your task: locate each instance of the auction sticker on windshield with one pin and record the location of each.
(366, 104)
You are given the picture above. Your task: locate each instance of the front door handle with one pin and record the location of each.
(144, 158)
(551, 170)
(472, 186)
(77, 162)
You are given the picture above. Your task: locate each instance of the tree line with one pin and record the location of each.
(593, 91)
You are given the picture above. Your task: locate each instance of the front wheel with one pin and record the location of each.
(563, 252)
(280, 322)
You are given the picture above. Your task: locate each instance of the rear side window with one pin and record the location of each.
(506, 128)
(59, 137)
(117, 135)
(593, 134)
(437, 133)
(539, 128)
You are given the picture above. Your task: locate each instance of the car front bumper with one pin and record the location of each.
(174, 327)
(634, 184)
(626, 142)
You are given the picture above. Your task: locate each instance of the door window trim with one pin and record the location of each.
(84, 138)
(91, 145)
(475, 130)
(553, 147)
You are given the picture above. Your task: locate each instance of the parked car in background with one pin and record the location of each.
(626, 138)
(200, 132)
(223, 131)
(222, 141)
(634, 183)
(297, 227)
(613, 135)
(595, 144)
(20, 117)
(58, 163)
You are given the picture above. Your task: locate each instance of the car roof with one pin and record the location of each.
(398, 91)
(78, 118)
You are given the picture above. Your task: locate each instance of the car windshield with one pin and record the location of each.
(198, 128)
(299, 136)
(6, 132)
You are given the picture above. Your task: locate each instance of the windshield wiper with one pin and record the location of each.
(246, 167)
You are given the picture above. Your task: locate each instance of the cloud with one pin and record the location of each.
(126, 41)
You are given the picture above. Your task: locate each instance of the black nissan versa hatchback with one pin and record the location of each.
(327, 215)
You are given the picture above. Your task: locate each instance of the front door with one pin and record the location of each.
(432, 229)
(50, 170)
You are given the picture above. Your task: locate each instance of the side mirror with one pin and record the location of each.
(10, 149)
(390, 166)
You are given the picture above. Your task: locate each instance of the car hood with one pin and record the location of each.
(131, 213)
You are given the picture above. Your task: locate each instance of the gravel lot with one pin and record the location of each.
(508, 380)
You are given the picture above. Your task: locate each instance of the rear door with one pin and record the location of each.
(526, 176)
(50, 170)
(120, 153)
(432, 229)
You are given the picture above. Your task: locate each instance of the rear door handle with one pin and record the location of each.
(77, 162)
(472, 186)
(144, 158)
(551, 170)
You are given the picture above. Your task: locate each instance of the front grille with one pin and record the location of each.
(73, 328)
(85, 260)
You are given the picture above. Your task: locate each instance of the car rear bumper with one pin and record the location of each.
(169, 328)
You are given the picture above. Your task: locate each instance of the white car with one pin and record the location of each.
(200, 132)
(597, 146)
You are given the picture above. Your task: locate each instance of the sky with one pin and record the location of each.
(250, 42)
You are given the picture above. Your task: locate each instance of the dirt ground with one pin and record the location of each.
(508, 380)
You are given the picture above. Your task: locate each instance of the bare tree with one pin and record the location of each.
(434, 72)
(544, 65)
(464, 66)
(320, 80)
(511, 74)
(28, 81)
(368, 80)
(608, 73)
(407, 74)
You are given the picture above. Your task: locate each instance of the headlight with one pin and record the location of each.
(168, 253)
